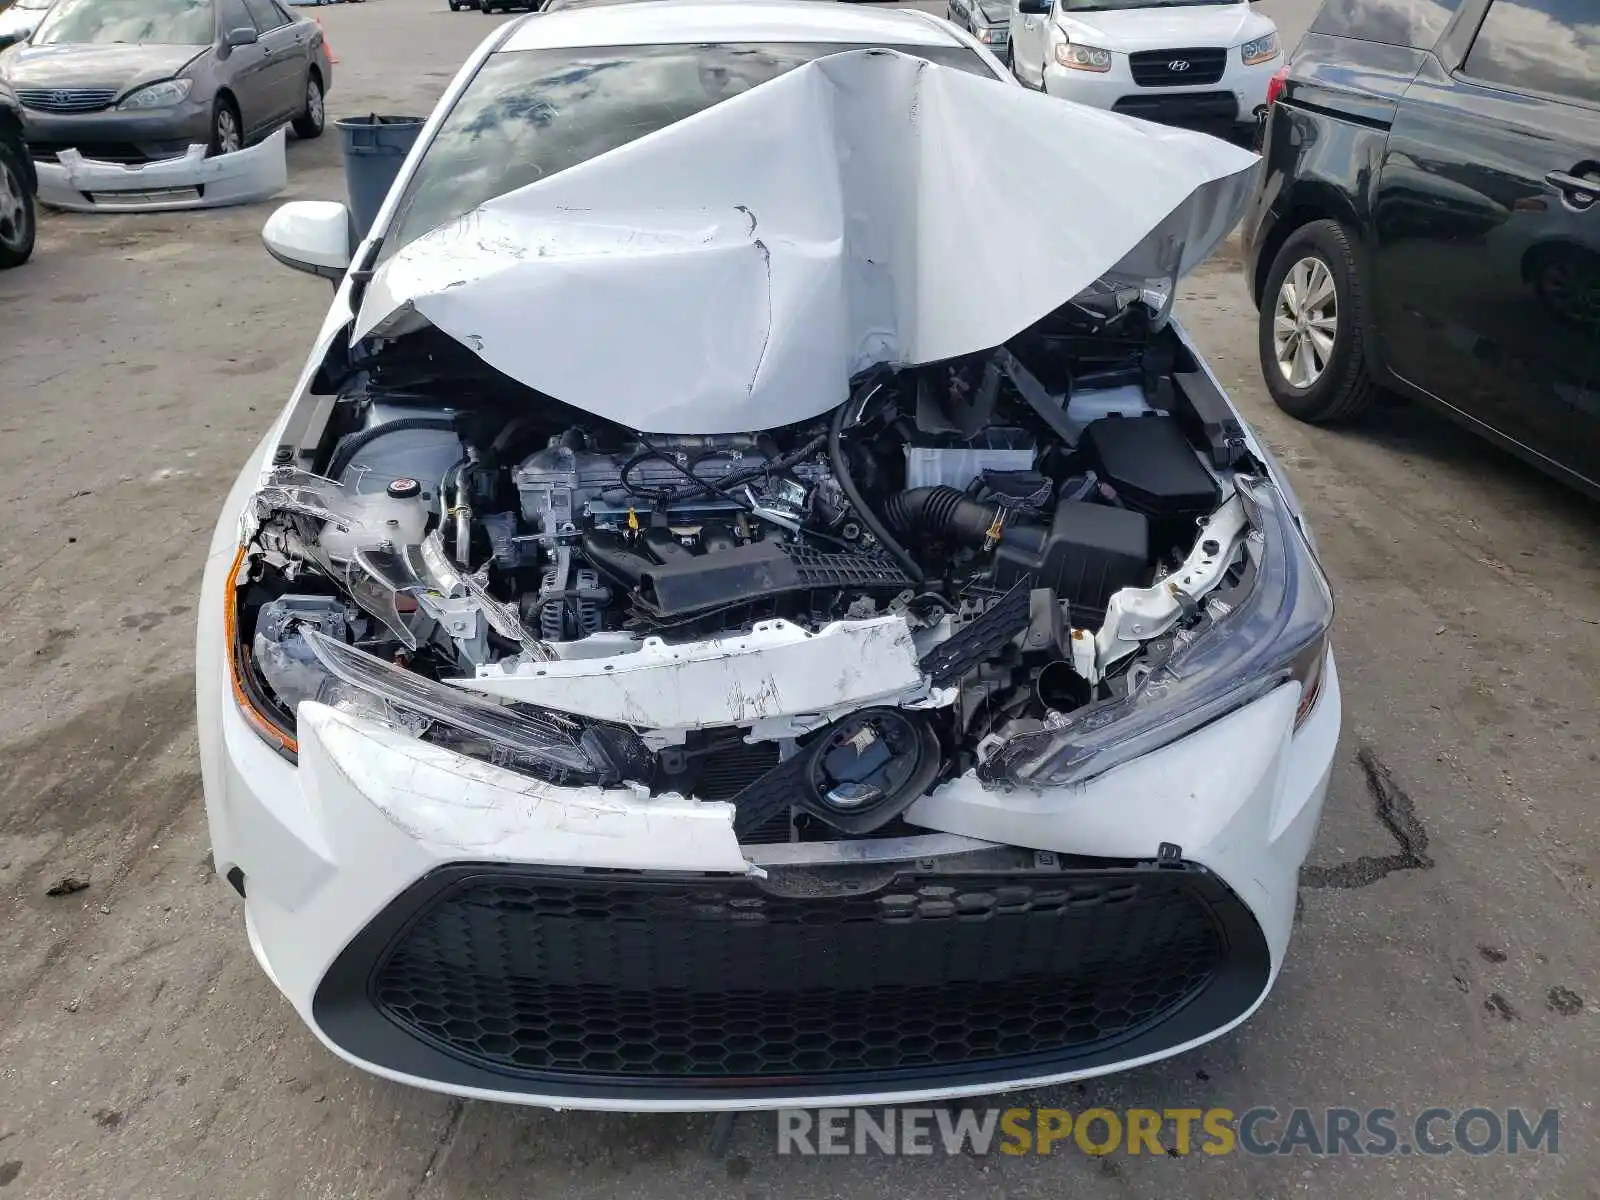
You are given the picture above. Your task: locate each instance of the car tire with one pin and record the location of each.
(225, 138)
(1312, 331)
(310, 123)
(485, 7)
(18, 219)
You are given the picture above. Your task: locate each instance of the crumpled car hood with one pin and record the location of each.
(734, 270)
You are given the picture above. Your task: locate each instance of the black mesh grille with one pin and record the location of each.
(695, 981)
(1177, 68)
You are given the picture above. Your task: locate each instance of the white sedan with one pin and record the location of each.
(715, 626)
(1203, 64)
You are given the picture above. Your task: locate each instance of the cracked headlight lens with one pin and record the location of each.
(1275, 635)
(1263, 49)
(480, 728)
(158, 95)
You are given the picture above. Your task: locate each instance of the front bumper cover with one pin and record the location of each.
(80, 184)
(331, 851)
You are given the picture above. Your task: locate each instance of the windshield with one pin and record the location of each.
(1118, 5)
(530, 113)
(101, 22)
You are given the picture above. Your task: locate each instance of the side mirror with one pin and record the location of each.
(235, 38)
(311, 236)
(1034, 8)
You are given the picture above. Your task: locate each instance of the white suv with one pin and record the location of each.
(1201, 63)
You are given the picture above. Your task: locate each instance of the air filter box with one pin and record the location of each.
(1087, 553)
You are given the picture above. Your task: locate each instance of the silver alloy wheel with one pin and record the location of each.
(1305, 322)
(13, 208)
(314, 102)
(228, 139)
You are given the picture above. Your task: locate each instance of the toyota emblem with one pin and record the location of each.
(60, 97)
(1178, 64)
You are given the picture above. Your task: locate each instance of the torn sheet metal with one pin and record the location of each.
(769, 673)
(866, 207)
(81, 184)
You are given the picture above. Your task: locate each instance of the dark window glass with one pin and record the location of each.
(530, 113)
(1541, 46)
(265, 15)
(102, 22)
(1414, 23)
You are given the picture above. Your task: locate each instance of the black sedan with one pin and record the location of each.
(1428, 223)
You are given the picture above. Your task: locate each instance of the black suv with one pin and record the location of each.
(1429, 220)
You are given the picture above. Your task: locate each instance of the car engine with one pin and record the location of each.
(1003, 506)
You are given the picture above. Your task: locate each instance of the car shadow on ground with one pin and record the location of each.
(1416, 431)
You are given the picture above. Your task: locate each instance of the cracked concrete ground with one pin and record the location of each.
(1446, 952)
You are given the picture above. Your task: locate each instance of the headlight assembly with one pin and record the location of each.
(158, 95)
(1263, 49)
(1278, 633)
(290, 660)
(479, 728)
(1083, 58)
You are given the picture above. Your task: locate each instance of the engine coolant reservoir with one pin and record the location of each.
(390, 486)
(396, 516)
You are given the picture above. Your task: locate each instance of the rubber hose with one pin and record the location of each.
(352, 444)
(940, 512)
(841, 472)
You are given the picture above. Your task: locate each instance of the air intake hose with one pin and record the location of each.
(940, 513)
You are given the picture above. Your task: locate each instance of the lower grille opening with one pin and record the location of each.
(590, 983)
(1187, 108)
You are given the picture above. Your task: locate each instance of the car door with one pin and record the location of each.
(1487, 231)
(1030, 26)
(246, 70)
(285, 57)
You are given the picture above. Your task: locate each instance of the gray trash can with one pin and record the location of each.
(374, 148)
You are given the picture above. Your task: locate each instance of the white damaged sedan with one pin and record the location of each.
(754, 599)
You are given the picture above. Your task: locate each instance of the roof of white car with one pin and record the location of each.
(670, 22)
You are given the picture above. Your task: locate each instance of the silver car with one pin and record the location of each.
(140, 80)
(987, 20)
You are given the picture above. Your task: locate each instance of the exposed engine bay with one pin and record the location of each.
(819, 622)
